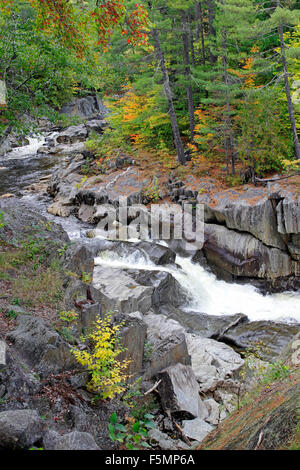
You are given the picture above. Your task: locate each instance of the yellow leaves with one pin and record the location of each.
(107, 373)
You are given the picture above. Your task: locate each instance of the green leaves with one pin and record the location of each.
(134, 434)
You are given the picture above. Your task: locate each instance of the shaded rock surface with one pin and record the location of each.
(43, 347)
(20, 429)
(179, 392)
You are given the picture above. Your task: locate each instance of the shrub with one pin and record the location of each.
(108, 374)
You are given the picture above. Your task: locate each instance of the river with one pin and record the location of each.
(24, 166)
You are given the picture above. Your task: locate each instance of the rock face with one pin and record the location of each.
(85, 107)
(20, 429)
(253, 236)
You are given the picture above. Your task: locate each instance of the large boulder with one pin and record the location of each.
(168, 352)
(20, 429)
(41, 346)
(196, 429)
(268, 338)
(132, 339)
(119, 292)
(167, 289)
(212, 361)
(179, 392)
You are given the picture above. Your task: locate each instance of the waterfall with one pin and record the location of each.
(209, 295)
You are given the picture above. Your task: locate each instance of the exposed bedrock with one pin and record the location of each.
(253, 236)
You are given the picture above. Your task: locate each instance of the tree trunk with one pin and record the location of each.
(212, 31)
(227, 113)
(187, 72)
(288, 91)
(168, 92)
(200, 29)
(191, 38)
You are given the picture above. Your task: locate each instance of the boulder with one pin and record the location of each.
(212, 361)
(197, 429)
(72, 134)
(50, 439)
(209, 326)
(179, 392)
(270, 337)
(85, 107)
(119, 292)
(166, 289)
(76, 441)
(132, 339)
(20, 429)
(161, 439)
(41, 346)
(168, 352)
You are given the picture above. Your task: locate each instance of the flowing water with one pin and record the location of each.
(24, 166)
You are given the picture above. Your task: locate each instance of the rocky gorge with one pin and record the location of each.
(189, 319)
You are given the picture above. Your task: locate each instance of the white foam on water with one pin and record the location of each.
(26, 150)
(212, 296)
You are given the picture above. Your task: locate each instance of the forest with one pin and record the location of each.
(210, 84)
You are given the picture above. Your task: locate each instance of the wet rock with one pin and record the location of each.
(41, 346)
(76, 441)
(165, 353)
(72, 135)
(209, 326)
(125, 295)
(270, 337)
(179, 392)
(20, 429)
(166, 289)
(158, 254)
(197, 429)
